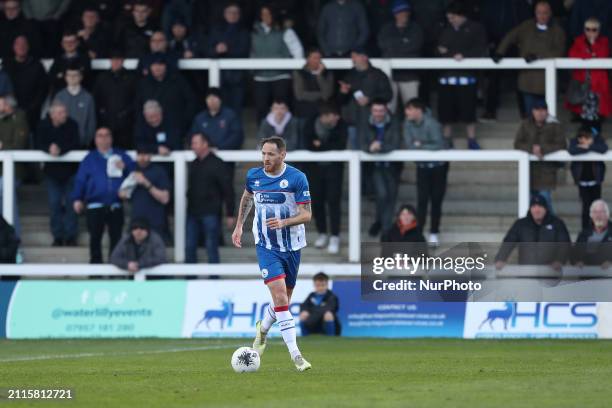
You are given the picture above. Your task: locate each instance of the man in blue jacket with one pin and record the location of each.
(220, 123)
(96, 190)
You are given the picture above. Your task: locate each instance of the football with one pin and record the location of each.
(245, 360)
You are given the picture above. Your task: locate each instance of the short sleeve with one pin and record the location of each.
(302, 191)
(247, 185)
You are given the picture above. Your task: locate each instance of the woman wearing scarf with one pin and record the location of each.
(280, 122)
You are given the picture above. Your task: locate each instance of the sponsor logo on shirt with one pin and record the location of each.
(270, 198)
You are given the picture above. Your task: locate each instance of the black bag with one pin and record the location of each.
(577, 91)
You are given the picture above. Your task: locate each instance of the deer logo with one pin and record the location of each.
(221, 314)
(504, 314)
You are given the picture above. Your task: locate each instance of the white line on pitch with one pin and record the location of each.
(138, 352)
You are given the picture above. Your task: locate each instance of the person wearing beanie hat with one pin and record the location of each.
(402, 38)
(539, 226)
(588, 176)
(139, 249)
(541, 134)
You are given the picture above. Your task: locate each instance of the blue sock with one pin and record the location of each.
(305, 331)
(330, 328)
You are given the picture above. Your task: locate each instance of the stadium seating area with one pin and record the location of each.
(480, 202)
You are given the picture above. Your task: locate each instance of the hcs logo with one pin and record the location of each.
(264, 273)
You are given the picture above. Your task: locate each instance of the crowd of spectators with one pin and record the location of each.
(158, 108)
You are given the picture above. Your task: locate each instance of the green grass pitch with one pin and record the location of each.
(346, 373)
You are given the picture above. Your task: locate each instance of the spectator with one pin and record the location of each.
(220, 124)
(158, 46)
(229, 39)
(208, 189)
(48, 15)
(29, 79)
(312, 85)
(362, 85)
(182, 44)
(148, 190)
(9, 243)
(140, 249)
(342, 27)
(155, 133)
(14, 133)
(80, 104)
(96, 189)
(113, 93)
(499, 17)
(134, 33)
(6, 86)
(402, 38)
(70, 57)
(268, 40)
(539, 226)
(457, 98)
(540, 135)
(57, 134)
(324, 133)
(94, 36)
(318, 312)
(177, 10)
(423, 132)
(535, 39)
(14, 24)
(107, 10)
(597, 102)
(280, 122)
(381, 134)
(592, 245)
(172, 92)
(406, 227)
(588, 176)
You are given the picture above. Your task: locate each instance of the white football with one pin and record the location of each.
(245, 360)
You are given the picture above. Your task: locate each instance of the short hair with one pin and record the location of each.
(276, 140)
(378, 101)
(280, 101)
(416, 103)
(152, 106)
(602, 202)
(457, 7)
(202, 136)
(321, 276)
(57, 104)
(329, 108)
(538, 2)
(145, 3)
(593, 20)
(312, 50)
(70, 33)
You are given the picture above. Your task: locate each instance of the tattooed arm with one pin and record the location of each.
(246, 203)
(303, 216)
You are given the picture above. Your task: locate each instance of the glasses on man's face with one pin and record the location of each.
(591, 29)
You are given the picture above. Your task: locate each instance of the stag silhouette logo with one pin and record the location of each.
(227, 307)
(504, 314)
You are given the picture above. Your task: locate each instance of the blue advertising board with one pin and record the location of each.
(379, 319)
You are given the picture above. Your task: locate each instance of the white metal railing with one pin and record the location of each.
(550, 66)
(353, 158)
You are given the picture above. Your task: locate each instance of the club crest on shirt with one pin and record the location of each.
(264, 273)
(284, 183)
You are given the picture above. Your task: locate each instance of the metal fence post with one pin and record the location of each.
(551, 86)
(523, 185)
(214, 74)
(8, 188)
(354, 221)
(180, 207)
